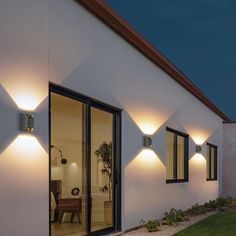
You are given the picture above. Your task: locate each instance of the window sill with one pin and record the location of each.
(173, 181)
(211, 179)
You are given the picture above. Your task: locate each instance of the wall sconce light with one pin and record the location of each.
(198, 148)
(27, 122)
(147, 141)
(63, 160)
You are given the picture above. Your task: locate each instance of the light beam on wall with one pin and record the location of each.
(27, 88)
(26, 145)
(147, 158)
(198, 159)
(198, 135)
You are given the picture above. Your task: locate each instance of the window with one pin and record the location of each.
(211, 162)
(177, 156)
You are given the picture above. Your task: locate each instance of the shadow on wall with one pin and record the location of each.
(86, 81)
(10, 118)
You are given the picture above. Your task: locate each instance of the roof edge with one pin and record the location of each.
(106, 14)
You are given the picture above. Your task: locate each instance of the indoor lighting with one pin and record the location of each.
(63, 160)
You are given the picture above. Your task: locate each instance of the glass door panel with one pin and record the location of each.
(101, 169)
(68, 167)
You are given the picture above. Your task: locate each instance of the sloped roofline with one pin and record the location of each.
(106, 14)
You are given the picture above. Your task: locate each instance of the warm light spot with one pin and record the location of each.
(26, 161)
(26, 145)
(199, 140)
(199, 136)
(148, 128)
(27, 88)
(145, 169)
(146, 117)
(198, 159)
(146, 159)
(27, 102)
(74, 165)
(148, 154)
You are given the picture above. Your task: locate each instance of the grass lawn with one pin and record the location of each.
(220, 224)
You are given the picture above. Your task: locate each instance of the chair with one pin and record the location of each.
(69, 205)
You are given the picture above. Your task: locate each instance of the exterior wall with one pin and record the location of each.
(59, 41)
(229, 162)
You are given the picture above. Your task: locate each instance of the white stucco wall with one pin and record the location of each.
(59, 41)
(229, 161)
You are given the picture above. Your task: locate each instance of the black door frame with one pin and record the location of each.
(90, 103)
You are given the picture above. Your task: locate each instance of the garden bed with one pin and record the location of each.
(177, 220)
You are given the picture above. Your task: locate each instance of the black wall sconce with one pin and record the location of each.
(147, 141)
(198, 148)
(63, 160)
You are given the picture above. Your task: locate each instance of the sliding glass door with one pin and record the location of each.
(84, 155)
(101, 169)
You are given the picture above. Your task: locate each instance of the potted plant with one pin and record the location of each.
(104, 156)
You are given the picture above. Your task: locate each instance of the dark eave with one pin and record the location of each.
(105, 13)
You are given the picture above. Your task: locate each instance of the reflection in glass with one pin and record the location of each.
(208, 163)
(68, 170)
(101, 169)
(211, 163)
(180, 157)
(170, 155)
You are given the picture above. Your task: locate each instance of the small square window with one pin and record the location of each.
(177, 156)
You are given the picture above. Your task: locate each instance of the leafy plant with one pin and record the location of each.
(219, 202)
(104, 156)
(196, 209)
(151, 225)
(174, 216)
(212, 204)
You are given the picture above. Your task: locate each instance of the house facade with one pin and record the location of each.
(119, 133)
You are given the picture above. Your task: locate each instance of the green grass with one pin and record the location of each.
(220, 224)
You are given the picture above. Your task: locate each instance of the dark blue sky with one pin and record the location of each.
(198, 36)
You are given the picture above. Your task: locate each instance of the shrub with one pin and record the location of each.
(211, 204)
(174, 216)
(219, 202)
(153, 225)
(196, 210)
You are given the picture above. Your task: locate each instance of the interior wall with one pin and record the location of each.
(59, 41)
(67, 135)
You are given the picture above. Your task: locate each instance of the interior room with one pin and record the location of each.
(70, 171)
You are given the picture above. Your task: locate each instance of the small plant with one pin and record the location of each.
(196, 209)
(218, 203)
(174, 216)
(212, 204)
(104, 156)
(151, 225)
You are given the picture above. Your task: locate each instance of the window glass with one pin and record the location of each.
(211, 162)
(176, 156)
(180, 157)
(170, 155)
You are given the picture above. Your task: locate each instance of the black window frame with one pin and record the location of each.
(186, 156)
(209, 147)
